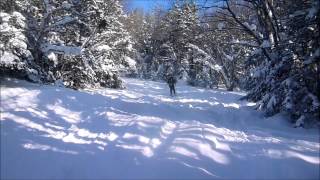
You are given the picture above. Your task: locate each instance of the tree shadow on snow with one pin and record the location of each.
(113, 133)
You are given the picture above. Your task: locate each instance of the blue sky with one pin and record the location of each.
(148, 5)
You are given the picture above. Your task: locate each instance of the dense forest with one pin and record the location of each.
(269, 48)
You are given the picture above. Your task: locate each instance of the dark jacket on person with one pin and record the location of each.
(171, 81)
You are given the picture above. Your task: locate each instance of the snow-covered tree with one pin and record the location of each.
(15, 57)
(283, 68)
(202, 70)
(109, 46)
(173, 33)
(81, 43)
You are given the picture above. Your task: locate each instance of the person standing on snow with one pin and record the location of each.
(171, 82)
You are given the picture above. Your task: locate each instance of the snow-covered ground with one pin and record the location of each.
(142, 132)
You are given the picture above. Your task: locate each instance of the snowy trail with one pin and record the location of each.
(142, 132)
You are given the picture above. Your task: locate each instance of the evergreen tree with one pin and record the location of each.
(15, 58)
(80, 43)
(283, 66)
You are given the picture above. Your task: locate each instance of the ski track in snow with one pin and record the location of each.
(142, 132)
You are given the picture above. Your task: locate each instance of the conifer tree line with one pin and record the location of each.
(270, 48)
